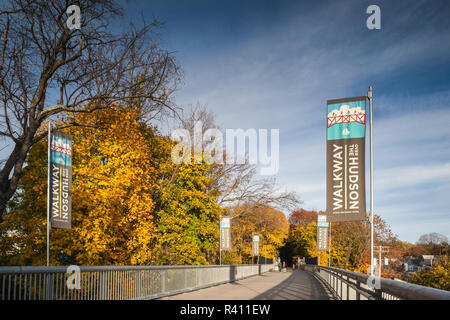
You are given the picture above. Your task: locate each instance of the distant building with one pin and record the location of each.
(415, 264)
(427, 260)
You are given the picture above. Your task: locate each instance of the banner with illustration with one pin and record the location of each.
(255, 245)
(225, 234)
(60, 179)
(322, 233)
(346, 127)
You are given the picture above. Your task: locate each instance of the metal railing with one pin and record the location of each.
(117, 282)
(349, 285)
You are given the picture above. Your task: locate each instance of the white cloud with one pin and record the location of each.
(411, 176)
(282, 77)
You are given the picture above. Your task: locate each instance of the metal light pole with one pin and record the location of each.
(48, 193)
(381, 249)
(369, 95)
(379, 265)
(329, 248)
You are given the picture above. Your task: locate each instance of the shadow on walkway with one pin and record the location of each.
(300, 285)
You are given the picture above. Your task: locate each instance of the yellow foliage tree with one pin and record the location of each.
(271, 224)
(113, 190)
(131, 203)
(187, 217)
(113, 184)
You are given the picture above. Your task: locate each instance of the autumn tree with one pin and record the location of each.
(271, 224)
(350, 241)
(47, 69)
(238, 190)
(113, 187)
(187, 216)
(437, 277)
(302, 217)
(236, 186)
(131, 203)
(350, 245)
(302, 241)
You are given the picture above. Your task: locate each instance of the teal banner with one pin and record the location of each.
(346, 120)
(346, 128)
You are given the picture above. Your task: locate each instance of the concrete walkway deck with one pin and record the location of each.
(290, 285)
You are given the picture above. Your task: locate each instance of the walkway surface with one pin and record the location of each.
(290, 285)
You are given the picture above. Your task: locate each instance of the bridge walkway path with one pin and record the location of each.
(289, 285)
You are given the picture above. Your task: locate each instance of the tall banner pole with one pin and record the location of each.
(259, 252)
(59, 184)
(379, 265)
(329, 249)
(48, 193)
(369, 95)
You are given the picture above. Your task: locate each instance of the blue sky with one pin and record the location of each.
(273, 64)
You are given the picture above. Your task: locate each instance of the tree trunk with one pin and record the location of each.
(14, 164)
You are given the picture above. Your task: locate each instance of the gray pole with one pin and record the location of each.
(379, 267)
(259, 251)
(48, 193)
(369, 95)
(253, 248)
(329, 248)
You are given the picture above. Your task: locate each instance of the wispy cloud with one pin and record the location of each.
(412, 176)
(279, 72)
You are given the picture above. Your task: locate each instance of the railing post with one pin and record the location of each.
(378, 294)
(102, 286)
(348, 288)
(358, 285)
(139, 284)
(334, 282)
(49, 286)
(163, 281)
(329, 277)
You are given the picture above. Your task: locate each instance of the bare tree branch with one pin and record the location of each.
(236, 186)
(47, 69)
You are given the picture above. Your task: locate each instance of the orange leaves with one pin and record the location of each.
(113, 195)
(270, 223)
(130, 203)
